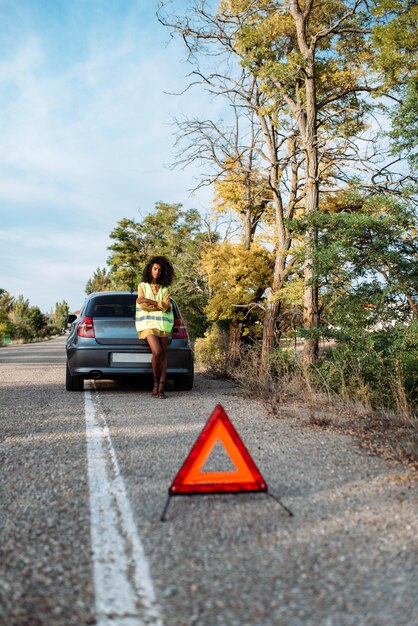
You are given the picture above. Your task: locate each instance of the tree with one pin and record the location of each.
(171, 231)
(395, 42)
(314, 57)
(254, 168)
(100, 281)
(236, 278)
(6, 305)
(310, 66)
(19, 317)
(307, 73)
(128, 253)
(246, 194)
(230, 151)
(37, 320)
(60, 314)
(368, 277)
(404, 132)
(367, 254)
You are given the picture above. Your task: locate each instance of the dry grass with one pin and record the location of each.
(393, 435)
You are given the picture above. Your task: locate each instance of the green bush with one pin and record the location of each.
(6, 331)
(283, 361)
(377, 368)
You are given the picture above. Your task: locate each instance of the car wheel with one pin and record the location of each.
(183, 383)
(73, 383)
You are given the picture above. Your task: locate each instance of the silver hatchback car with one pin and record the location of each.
(103, 343)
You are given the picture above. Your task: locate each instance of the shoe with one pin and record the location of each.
(161, 393)
(154, 391)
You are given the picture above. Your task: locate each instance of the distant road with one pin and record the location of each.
(85, 477)
(44, 353)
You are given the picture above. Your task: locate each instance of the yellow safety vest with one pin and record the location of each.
(158, 320)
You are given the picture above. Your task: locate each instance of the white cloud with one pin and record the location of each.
(81, 148)
(65, 153)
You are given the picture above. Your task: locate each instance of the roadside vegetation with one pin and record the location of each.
(21, 323)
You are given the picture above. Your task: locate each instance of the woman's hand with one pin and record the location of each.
(147, 301)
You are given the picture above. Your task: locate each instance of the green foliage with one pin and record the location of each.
(100, 281)
(395, 42)
(20, 308)
(128, 254)
(404, 133)
(283, 362)
(366, 265)
(6, 302)
(60, 314)
(366, 260)
(19, 320)
(378, 368)
(170, 231)
(5, 331)
(37, 320)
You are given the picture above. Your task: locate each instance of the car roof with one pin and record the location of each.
(114, 293)
(111, 293)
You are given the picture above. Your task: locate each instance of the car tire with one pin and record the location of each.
(73, 383)
(184, 383)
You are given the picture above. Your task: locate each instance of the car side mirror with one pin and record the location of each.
(71, 318)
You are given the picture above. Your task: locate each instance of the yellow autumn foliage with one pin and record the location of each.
(291, 294)
(237, 190)
(235, 276)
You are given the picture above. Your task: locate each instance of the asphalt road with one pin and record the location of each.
(84, 480)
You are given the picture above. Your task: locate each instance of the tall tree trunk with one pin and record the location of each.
(310, 140)
(269, 324)
(273, 306)
(310, 299)
(307, 120)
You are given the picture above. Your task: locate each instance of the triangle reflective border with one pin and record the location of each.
(192, 479)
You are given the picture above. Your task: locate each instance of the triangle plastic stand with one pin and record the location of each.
(192, 479)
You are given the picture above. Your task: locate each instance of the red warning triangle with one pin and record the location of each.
(191, 477)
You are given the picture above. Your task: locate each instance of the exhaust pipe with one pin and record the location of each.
(95, 374)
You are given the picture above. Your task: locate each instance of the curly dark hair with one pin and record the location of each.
(167, 271)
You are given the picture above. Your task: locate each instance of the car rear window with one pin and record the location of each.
(112, 306)
(117, 305)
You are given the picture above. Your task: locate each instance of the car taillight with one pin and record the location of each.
(85, 327)
(179, 330)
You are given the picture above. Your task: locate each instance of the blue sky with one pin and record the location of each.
(85, 136)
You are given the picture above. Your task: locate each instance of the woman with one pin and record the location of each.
(154, 316)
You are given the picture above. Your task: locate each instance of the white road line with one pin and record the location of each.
(123, 586)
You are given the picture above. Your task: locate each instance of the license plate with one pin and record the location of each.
(133, 357)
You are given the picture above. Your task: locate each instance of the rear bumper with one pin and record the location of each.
(84, 361)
